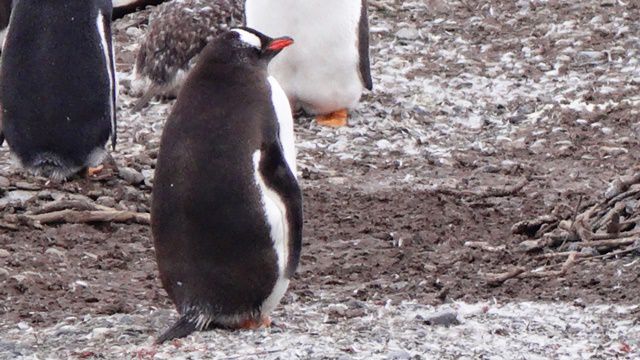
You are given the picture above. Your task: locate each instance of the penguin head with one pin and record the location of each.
(248, 45)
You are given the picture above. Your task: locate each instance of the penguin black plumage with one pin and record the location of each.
(58, 85)
(227, 209)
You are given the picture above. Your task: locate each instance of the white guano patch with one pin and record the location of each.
(276, 217)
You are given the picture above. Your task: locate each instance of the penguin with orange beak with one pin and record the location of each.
(226, 213)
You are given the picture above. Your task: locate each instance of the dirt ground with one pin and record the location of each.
(380, 224)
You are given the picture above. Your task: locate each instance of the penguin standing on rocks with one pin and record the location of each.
(227, 209)
(328, 69)
(58, 87)
(177, 32)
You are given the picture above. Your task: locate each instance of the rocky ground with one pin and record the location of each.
(484, 114)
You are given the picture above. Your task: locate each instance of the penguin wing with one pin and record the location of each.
(363, 46)
(278, 176)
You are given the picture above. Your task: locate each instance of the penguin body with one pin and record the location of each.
(58, 87)
(328, 69)
(227, 209)
(177, 32)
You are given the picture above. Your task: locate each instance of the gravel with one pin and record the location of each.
(362, 331)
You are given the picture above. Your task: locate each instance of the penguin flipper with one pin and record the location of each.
(182, 328)
(278, 176)
(1, 138)
(363, 47)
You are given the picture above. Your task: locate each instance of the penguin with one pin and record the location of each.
(124, 7)
(226, 214)
(58, 85)
(327, 71)
(177, 32)
(120, 9)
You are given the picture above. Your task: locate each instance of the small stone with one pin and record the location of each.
(4, 253)
(4, 273)
(99, 333)
(107, 201)
(408, 33)
(130, 175)
(4, 182)
(148, 176)
(55, 252)
(538, 146)
(446, 318)
(27, 186)
(398, 355)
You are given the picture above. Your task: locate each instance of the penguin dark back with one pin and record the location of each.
(58, 87)
(227, 209)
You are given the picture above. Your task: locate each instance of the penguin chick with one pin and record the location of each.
(58, 88)
(226, 214)
(177, 32)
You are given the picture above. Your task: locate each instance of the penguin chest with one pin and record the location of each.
(275, 214)
(321, 70)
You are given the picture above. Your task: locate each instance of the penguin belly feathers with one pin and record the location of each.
(328, 69)
(227, 209)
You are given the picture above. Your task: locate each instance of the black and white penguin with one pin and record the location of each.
(328, 69)
(227, 209)
(124, 7)
(177, 32)
(58, 87)
(120, 9)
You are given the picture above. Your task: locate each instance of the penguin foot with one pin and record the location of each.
(335, 119)
(93, 171)
(253, 324)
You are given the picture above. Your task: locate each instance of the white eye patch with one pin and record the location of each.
(248, 38)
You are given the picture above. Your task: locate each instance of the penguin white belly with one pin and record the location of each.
(285, 120)
(111, 66)
(3, 35)
(321, 71)
(276, 216)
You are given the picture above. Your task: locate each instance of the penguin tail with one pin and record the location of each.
(182, 328)
(52, 166)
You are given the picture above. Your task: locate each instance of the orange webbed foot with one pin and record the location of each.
(335, 119)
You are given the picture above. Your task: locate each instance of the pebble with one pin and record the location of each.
(4, 182)
(445, 318)
(538, 146)
(408, 33)
(56, 252)
(4, 253)
(131, 176)
(4, 273)
(106, 201)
